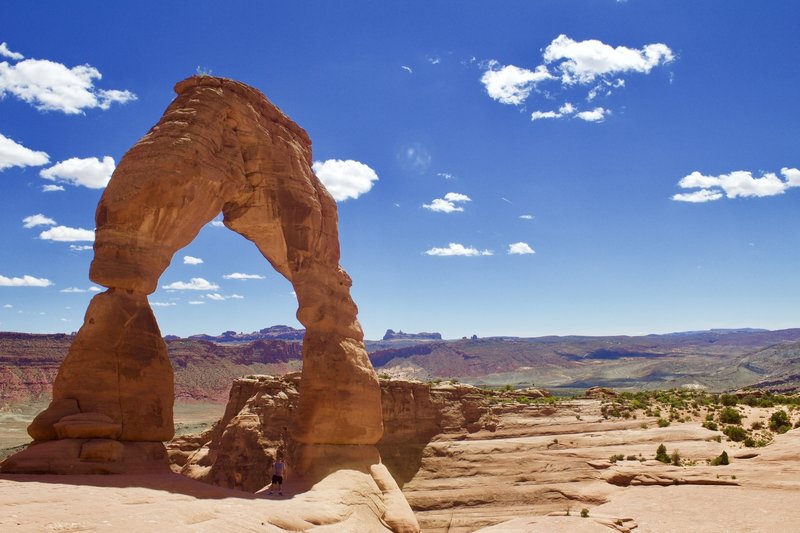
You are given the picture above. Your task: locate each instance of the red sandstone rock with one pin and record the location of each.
(221, 147)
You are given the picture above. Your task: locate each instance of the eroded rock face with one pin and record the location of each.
(221, 146)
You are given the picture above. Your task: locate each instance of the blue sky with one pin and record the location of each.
(639, 158)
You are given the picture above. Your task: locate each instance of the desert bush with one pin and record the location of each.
(722, 459)
(675, 458)
(728, 400)
(735, 433)
(662, 423)
(779, 422)
(661, 454)
(708, 424)
(729, 415)
(631, 458)
(617, 457)
(584, 513)
(757, 425)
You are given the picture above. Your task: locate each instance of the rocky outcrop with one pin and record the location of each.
(392, 335)
(221, 146)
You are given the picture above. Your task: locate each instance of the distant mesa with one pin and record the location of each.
(393, 335)
(283, 333)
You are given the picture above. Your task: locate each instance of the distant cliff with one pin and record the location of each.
(283, 333)
(393, 335)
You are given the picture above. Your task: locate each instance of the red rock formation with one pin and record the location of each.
(221, 146)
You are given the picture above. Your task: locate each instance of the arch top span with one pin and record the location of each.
(220, 147)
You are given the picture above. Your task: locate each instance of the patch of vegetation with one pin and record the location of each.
(617, 457)
(584, 513)
(661, 454)
(663, 423)
(675, 458)
(708, 424)
(729, 415)
(735, 433)
(779, 422)
(722, 459)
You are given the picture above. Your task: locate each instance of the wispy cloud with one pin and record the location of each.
(162, 304)
(67, 234)
(52, 188)
(241, 276)
(740, 183)
(37, 220)
(221, 297)
(5, 52)
(456, 249)
(345, 179)
(195, 284)
(13, 154)
(526, 217)
(520, 248)
(448, 203)
(24, 281)
(445, 175)
(196, 302)
(568, 110)
(189, 260)
(407, 69)
(89, 172)
(80, 247)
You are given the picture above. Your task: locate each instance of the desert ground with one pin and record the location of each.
(554, 465)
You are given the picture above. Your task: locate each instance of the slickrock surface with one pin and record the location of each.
(221, 146)
(467, 459)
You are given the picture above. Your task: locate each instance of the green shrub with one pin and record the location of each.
(757, 425)
(631, 458)
(735, 433)
(710, 425)
(675, 458)
(663, 423)
(728, 399)
(617, 457)
(721, 460)
(661, 454)
(729, 415)
(779, 422)
(584, 513)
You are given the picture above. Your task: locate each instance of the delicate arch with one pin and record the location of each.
(220, 146)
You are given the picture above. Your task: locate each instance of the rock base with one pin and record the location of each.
(88, 456)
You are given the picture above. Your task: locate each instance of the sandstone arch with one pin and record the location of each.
(220, 146)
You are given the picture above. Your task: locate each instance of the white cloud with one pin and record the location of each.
(567, 109)
(52, 188)
(24, 281)
(8, 306)
(510, 84)
(162, 304)
(526, 217)
(195, 284)
(89, 172)
(445, 175)
(189, 260)
(434, 60)
(344, 178)
(408, 69)
(539, 115)
(73, 289)
(37, 220)
(217, 223)
(239, 275)
(585, 61)
(94, 288)
(196, 302)
(13, 154)
(217, 297)
(448, 203)
(51, 86)
(454, 248)
(595, 115)
(520, 248)
(5, 52)
(698, 197)
(740, 183)
(67, 234)
(80, 247)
